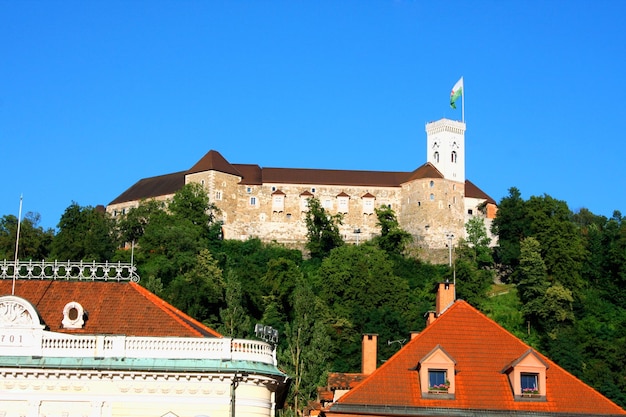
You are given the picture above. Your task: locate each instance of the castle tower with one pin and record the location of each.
(445, 141)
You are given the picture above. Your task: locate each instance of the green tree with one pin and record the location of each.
(85, 233)
(192, 204)
(307, 346)
(132, 225)
(34, 241)
(322, 230)
(199, 291)
(477, 243)
(234, 320)
(353, 281)
(562, 247)
(511, 226)
(531, 275)
(392, 239)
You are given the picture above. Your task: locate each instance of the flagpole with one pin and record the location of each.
(17, 245)
(463, 100)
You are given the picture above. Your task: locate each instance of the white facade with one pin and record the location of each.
(46, 373)
(445, 148)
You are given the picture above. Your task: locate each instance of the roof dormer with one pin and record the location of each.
(527, 376)
(436, 374)
(73, 316)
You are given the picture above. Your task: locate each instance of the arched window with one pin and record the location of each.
(436, 156)
(453, 156)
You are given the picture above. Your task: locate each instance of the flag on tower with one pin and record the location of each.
(457, 91)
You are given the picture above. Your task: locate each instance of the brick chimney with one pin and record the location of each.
(369, 353)
(446, 295)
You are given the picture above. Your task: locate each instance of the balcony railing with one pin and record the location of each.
(51, 344)
(77, 270)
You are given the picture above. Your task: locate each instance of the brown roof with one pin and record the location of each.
(214, 161)
(427, 170)
(333, 177)
(251, 174)
(481, 349)
(152, 187)
(473, 191)
(123, 308)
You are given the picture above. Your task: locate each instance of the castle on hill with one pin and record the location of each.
(432, 203)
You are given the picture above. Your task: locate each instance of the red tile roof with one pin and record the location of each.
(123, 308)
(481, 349)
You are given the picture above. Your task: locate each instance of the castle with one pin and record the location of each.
(432, 203)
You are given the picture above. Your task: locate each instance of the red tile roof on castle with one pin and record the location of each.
(121, 308)
(481, 350)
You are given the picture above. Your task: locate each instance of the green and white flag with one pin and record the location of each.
(457, 91)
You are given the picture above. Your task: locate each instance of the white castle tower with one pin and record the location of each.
(445, 142)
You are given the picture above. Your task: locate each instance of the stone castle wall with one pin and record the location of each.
(428, 209)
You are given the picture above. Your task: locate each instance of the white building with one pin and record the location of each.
(96, 347)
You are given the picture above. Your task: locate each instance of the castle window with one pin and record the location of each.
(288, 216)
(202, 183)
(218, 195)
(273, 188)
(248, 190)
(470, 211)
(453, 156)
(436, 157)
(253, 201)
(432, 197)
(312, 190)
(432, 184)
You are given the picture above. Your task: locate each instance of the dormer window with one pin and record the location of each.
(436, 374)
(527, 376)
(73, 316)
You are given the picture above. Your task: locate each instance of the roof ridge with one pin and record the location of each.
(174, 312)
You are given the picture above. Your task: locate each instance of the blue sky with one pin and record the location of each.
(96, 95)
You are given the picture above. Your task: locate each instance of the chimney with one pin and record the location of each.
(369, 352)
(445, 297)
(414, 334)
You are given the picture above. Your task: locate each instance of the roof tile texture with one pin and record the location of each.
(121, 308)
(481, 349)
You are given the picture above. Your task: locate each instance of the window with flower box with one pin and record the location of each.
(436, 374)
(527, 377)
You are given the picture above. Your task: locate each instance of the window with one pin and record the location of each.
(436, 157)
(218, 195)
(273, 188)
(312, 190)
(527, 376)
(529, 383)
(248, 190)
(436, 374)
(432, 184)
(470, 211)
(253, 201)
(432, 197)
(453, 156)
(437, 380)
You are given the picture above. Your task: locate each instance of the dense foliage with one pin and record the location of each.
(555, 279)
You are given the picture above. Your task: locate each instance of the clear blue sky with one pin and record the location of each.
(95, 95)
